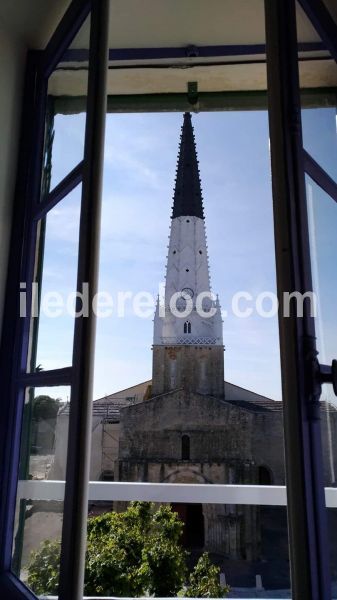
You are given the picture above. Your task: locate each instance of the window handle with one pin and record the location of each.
(329, 374)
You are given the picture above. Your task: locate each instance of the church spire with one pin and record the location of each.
(187, 193)
(187, 332)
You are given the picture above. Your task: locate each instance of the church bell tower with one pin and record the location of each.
(188, 343)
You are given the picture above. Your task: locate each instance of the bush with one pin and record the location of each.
(133, 553)
(204, 581)
(128, 554)
(43, 569)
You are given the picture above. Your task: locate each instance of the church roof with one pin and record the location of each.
(187, 200)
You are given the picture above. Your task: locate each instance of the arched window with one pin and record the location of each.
(185, 447)
(187, 327)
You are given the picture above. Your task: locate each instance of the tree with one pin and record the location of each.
(204, 581)
(43, 570)
(131, 554)
(128, 554)
(45, 407)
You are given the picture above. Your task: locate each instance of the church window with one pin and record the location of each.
(185, 447)
(187, 220)
(200, 251)
(187, 270)
(187, 327)
(174, 252)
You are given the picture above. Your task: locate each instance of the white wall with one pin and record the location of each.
(12, 62)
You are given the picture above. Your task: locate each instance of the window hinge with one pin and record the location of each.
(316, 375)
(329, 375)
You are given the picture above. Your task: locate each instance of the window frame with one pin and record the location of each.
(14, 347)
(305, 488)
(301, 371)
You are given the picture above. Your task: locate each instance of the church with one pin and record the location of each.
(187, 424)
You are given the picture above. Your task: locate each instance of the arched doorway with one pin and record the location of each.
(192, 516)
(265, 476)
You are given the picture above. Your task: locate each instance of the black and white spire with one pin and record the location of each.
(187, 279)
(187, 193)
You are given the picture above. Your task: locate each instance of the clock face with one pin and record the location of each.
(187, 293)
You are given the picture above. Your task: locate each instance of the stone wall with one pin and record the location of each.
(194, 368)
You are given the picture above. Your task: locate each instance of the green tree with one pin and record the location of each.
(128, 554)
(45, 407)
(43, 569)
(204, 581)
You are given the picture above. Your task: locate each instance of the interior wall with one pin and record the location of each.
(12, 62)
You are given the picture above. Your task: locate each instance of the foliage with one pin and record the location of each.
(132, 553)
(204, 581)
(45, 407)
(43, 569)
(128, 554)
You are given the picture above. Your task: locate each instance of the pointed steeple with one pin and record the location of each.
(187, 327)
(187, 193)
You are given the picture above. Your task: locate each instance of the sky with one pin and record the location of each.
(139, 170)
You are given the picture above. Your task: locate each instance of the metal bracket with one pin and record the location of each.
(192, 92)
(329, 375)
(192, 51)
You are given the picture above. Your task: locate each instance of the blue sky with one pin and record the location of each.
(140, 161)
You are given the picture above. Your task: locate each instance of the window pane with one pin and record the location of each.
(66, 112)
(38, 518)
(318, 81)
(322, 212)
(56, 274)
(192, 428)
(139, 534)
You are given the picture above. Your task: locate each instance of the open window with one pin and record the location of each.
(234, 68)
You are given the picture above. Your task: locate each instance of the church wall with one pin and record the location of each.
(153, 430)
(196, 368)
(268, 446)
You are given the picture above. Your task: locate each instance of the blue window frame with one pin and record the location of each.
(31, 206)
(306, 507)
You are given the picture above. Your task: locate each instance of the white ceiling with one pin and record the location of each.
(32, 20)
(163, 23)
(144, 23)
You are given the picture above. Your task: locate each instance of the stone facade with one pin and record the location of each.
(197, 368)
(222, 449)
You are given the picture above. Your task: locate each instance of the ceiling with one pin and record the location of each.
(177, 24)
(144, 23)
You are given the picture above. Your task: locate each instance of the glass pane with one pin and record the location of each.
(178, 549)
(39, 506)
(66, 112)
(216, 418)
(322, 212)
(55, 285)
(318, 81)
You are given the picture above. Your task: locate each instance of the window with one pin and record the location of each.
(185, 447)
(187, 327)
(67, 384)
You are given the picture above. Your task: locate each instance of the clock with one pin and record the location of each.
(187, 293)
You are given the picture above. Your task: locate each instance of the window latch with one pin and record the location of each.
(329, 374)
